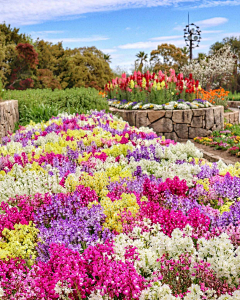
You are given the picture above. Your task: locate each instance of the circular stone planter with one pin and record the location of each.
(178, 125)
(8, 116)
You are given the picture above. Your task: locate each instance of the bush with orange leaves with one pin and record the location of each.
(216, 97)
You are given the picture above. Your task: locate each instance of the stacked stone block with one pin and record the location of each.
(178, 125)
(9, 115)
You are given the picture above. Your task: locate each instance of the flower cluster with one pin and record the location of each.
(157, 88)
(213, 71)
(92, 208)
(227, 139)
(179, 104)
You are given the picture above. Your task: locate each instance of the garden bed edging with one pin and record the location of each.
(232, 117)
(234, 104)
(9, 115)
(178, 125)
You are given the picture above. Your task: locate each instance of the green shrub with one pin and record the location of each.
(42, 104)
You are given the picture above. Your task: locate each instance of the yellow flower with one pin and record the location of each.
(20, 242)
(225, 207)
(113, 210)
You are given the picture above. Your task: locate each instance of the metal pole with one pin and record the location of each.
(191, 48)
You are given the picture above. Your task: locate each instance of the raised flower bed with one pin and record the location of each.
(232, 117)
(178, 125)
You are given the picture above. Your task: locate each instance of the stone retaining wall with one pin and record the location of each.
(178, 125)
(234, 104)
(8, 116)
(232, 117)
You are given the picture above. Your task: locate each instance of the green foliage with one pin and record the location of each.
(168, 56)
(234, 96)
(2, 91)
(56, 67)
(38, 105)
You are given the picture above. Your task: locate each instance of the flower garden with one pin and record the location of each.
(92, 208)
(227, 139)
(159, 91)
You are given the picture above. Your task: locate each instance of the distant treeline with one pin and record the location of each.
(41, 64)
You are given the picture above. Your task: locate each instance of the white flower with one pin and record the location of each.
(1, 292)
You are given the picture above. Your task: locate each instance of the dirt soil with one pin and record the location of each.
(212, 154)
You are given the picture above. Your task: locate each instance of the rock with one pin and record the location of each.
(162, 125)
(141, 119)
(182, 116)
(214, 127)
(168, 114)
(226, 117)
(236, 120)
(131, 117)
(231, 118)
(195, 132)
(209, 118)
(182, 140)
(181, 130)
(218, 112)
(155, 115)
(197, 121)
(171, 136)
(198, 112)
(8, 116)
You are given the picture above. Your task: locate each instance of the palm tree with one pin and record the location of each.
(185, 50)
(201, 56)
(142, 57)
(107, 58)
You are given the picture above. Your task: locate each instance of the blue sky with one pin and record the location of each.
(122, 28)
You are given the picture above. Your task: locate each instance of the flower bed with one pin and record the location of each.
(178, 125)
(157, 88)
(227, 139)
(92, 208)
(179, 104)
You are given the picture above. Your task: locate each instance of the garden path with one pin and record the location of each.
(214, 155)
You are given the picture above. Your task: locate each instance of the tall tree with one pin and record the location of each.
(87, 67)
(234, 43)
(107, 58)
(168, 56)
(141, 57)
(9, 39)
(25, 63)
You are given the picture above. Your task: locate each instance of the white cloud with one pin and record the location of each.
(154, 42)
(127, 28)
(79, 40)
(162, 38)
(26, 12)
(231, 34)
(211, 22)
(211, 31)
(47, 32)
(150, 44)
(215, 3)
(110, 50)
(205, 24)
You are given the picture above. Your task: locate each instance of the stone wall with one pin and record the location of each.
(234, 104)
(232, 117)
(8, 116)
(178, 125)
